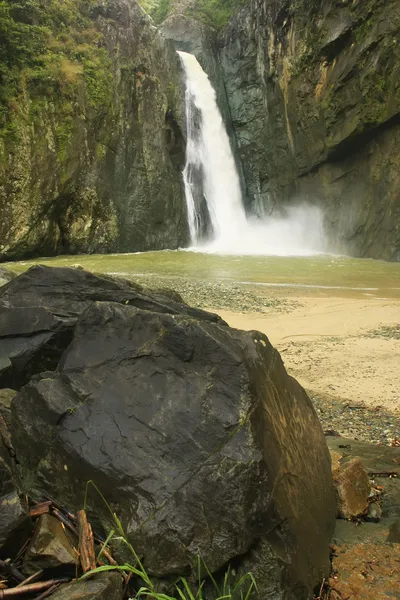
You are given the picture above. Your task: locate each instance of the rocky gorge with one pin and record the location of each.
(93, 137)
(310, 91)
(150, 447)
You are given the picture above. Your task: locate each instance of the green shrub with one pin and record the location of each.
(50, 47)
(215, 13)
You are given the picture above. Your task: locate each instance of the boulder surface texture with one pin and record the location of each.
(193, 431)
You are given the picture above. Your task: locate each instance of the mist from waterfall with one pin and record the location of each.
(216, 215)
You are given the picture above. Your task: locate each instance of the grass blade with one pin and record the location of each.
(216, 586)
(104, 546)
(187, 589)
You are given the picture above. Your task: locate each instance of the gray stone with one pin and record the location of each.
(374, 513)
(103, 586)
(50, 547)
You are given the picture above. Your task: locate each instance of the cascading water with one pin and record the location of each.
(217, 220)
(208, 148)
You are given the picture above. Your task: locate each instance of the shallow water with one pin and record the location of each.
(318, 273)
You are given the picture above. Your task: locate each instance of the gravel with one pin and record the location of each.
(356, 421)
(220, 295)
(389, 332)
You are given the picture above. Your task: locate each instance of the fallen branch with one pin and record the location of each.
(65, 521)
(48, 592)
(86, 543)
(31, 588)
(30, 579)
(40, 509)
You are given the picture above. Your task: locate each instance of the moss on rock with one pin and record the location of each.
(85, 164)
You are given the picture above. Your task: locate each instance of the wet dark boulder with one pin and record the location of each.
(39, 310)
(197, 437)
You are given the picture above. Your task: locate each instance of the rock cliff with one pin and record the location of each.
(314, 95)
(90, 132)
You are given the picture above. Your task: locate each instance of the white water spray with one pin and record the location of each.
(212, 187)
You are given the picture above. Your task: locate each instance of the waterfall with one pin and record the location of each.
(216, 216)
(209, 151)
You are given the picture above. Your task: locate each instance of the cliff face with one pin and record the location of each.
(314, 95)
(90, 159)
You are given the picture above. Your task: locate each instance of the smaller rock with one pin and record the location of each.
(374, 513)
(394, 533)
(331, 432)
(335, 459)
(50, 547)
(103, 586)
(352, 487)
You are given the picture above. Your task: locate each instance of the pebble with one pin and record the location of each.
(358, 422)
(220, 295)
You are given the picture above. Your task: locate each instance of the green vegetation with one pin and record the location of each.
(51, 48)
(242, 589)
(215, 13)
(160, 10)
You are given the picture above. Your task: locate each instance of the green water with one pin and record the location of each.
(328, 273)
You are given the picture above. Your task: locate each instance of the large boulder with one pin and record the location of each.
(198, 439)
(39, 310)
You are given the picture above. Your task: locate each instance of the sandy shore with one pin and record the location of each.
(338, 347)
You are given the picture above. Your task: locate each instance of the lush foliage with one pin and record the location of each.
(50, 47)
(215, 13)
